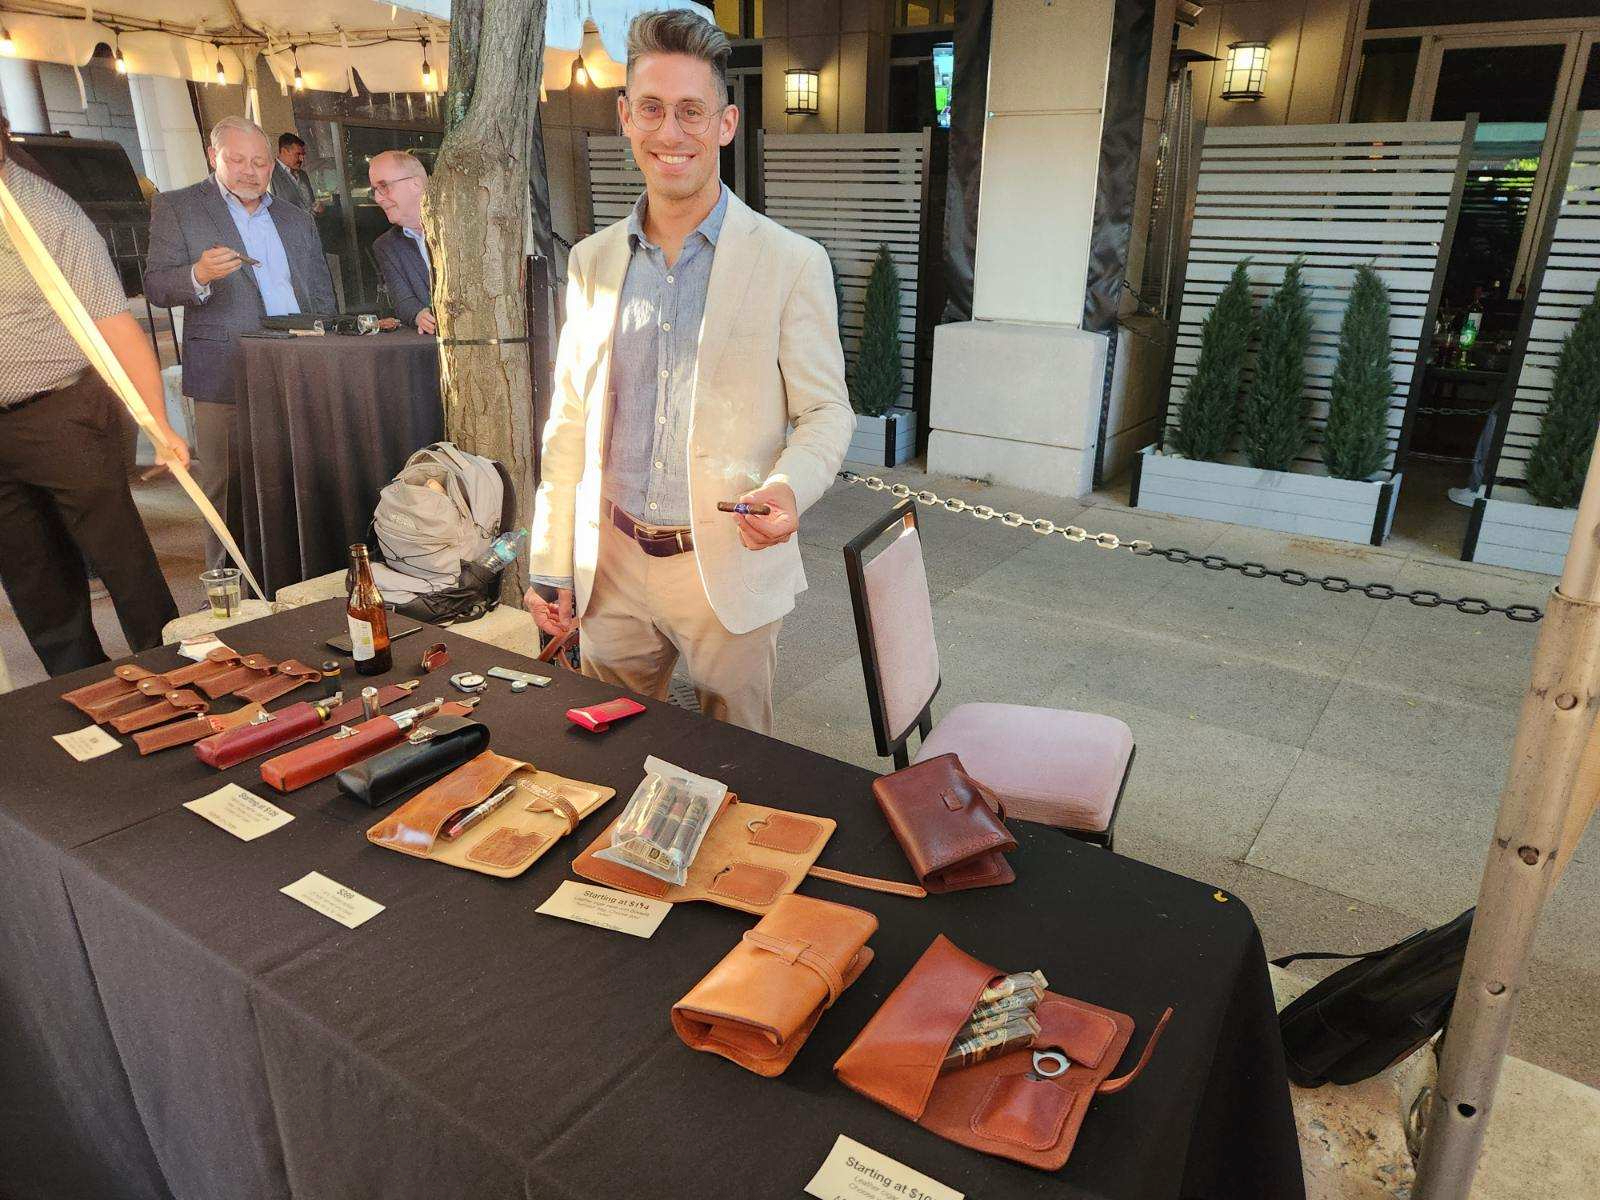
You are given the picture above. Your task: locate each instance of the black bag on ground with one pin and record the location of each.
(1375, 1011)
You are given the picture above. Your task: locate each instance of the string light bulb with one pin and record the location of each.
(222, 76)
(122, 63)
(7, 46)
(580, 73)
(427, 71)
(299, 79)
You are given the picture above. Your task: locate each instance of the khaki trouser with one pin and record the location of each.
(644, 612)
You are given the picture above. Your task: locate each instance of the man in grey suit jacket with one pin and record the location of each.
(290, 182)
(398, 180)
(200, 238)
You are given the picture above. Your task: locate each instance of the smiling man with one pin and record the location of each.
(398, 181)
(699, 362)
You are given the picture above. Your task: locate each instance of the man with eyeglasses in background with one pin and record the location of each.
(398, 180)
(697, 332)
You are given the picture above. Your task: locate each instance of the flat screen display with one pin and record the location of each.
(944, 65)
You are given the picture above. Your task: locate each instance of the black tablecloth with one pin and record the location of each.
(172, 1026)
(323, 424)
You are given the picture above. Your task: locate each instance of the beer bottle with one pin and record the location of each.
(369, 623)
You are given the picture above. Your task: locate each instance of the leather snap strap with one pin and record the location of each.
(870, 883)
(793, 950)
(546, 800)
(1122, 1081)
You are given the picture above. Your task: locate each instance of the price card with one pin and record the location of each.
(243, 814)
(333, 900)
(88, 742)
(856, 1172)
(606, 908)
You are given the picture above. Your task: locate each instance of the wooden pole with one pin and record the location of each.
(72, 314)
(1525, 857)
(476, 216)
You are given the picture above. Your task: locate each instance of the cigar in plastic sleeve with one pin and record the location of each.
(1020, 981)
(690, 826)
(740, 507)
(992, 1043)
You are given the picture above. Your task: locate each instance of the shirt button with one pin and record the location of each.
(663, 374)
(661, 466)
(669, 278)
(652, 506)
(666, 326)
(661, 420)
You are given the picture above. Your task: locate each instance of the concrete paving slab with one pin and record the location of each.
(1411, 843)
(830, 716)
(991, 649)
(1446, 654)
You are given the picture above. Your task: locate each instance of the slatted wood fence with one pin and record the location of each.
(1341, 195)
(1567, 285)
(615, 180)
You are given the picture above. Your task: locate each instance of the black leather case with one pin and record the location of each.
(411, 766)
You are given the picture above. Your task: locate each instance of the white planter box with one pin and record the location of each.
(1346, 509)
(885, 441)
(1516, 533)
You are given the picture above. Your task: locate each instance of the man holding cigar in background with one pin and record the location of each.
(225, 253)
(696, 333)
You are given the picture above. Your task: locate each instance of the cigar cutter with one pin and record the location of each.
(1047, 1064)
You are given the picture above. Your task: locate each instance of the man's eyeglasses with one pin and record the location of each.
(384, 186)
(694, 116)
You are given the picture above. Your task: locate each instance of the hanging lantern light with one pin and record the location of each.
(222, 76)
(580, 73)
(1245, 75)
(116, 55)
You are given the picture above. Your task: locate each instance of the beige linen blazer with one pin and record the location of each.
(769, 405)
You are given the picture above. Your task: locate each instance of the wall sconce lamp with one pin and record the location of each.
(1245, 75)
(800, 92)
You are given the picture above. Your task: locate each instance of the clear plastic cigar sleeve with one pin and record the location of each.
(661, 829)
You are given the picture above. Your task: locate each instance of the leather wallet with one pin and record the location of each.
(403, 769)
(194, 727)
(543, 809)
(944, 821)
(759, 1004)
(288, 724)
(1003, 1106)
(296, 768)
(750, 857)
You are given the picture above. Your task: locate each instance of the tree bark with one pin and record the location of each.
(475, 215)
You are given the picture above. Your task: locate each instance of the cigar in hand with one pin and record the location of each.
(748, 510)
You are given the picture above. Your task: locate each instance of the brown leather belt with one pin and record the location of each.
(653, 540)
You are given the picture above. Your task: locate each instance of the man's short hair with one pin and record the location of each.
(234, 125)
(404, 159)
(679, 31)
(285, 140)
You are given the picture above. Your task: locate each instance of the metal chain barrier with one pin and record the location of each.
(1423, 598)
(1454, 412)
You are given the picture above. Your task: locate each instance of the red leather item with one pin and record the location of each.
(597, 718)
(192, 728)
(290, 674)
(251, 669)
(1001, 1106)
(169, 708)
(434, 657)
(295, 769)
(287, 725)
(944, 821)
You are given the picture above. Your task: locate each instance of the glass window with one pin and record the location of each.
(741, 18)
(1499, 83)
(1383, 88)
(927, 12)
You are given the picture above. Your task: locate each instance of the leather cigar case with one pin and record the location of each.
(943, 820)
(194, 727)
(403, 769)
(285, 678)
(296, 768)
(251, 668)
(288, 724)
(759, 1004)
(170, 707)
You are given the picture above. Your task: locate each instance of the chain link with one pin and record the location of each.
(1423, 597)
(1454, 412)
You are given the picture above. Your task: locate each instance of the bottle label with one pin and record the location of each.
(361, 639)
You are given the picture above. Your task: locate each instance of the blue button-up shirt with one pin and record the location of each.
(259, 233)
(653, 356)
(421, 244)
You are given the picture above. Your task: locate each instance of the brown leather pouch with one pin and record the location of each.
(285, 678)
(944, 821)
(751, 855)
(250, 669)
(510, 839)
(1002, 1106)
(193, 728)
(170, 707)
(759, 1004)
(119, 694)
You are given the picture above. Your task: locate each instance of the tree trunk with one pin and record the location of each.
(476, 218)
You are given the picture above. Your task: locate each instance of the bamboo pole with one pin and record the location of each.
(1535, 824)
(71, 312)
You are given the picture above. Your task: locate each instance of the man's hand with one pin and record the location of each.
(216, 263)
(176, 451)
(425, 322)
(778, 526)
(553, 617)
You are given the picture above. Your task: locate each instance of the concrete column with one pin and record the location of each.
(22, 96)
(173, 149)
(1016, 392)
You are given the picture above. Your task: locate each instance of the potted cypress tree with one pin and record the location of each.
(1513, 533)
(1274, 427)
(885, 433)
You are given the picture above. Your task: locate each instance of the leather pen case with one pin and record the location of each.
(99, 701)
(285, 678)
(401, 770)
(288, 724)
(250, 669)
(944, 821)
(759, 1004)
(194, 727)
(1002, 1106)
(216, 662)
(169, 707)
(540, 810)
(296, 768)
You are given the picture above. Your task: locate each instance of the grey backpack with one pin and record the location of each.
(438, 515)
